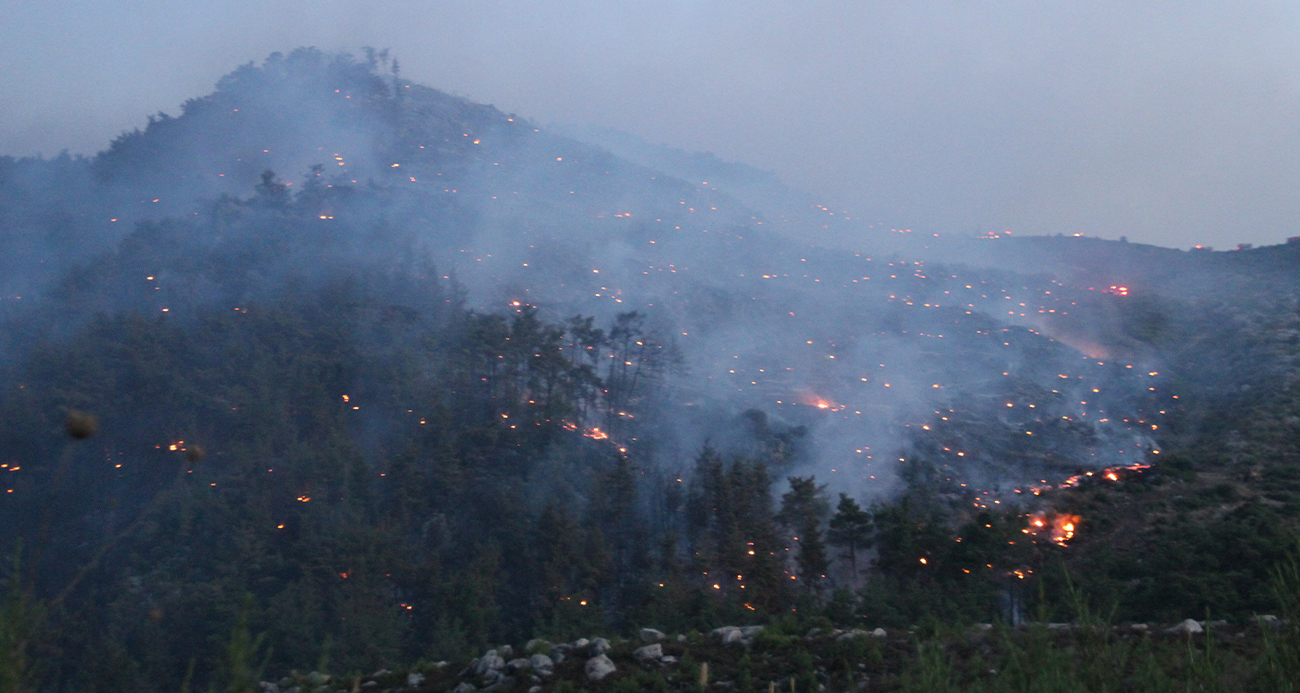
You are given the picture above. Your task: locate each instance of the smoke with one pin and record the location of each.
(850, 355)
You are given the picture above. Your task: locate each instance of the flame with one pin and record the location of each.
(1060, 528)
(596, 434)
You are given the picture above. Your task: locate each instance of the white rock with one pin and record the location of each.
(600, 646)
(489, 662)
(414, 679)
(519, 664)
(728, 634)
(879, 633)
(1188, 627)
(536, 644)
(506, 651)
(649, 653)
(541, 662)
(652, 635)
(599, 667)
(668, 659)
(681, 638)
(750, 631)
(580, 642)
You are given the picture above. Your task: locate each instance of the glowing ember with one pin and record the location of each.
(1059, 528)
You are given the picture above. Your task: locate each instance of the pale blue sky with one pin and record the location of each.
(1172, 123)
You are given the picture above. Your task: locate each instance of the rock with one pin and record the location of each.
(652, 635)
(599, 667)
(668, 659)
(535, 689)
(519, 664)
(1140, 627)
(728, 634)
(506, 651)
(370, 685)
(814, 633)
(1059, 626)
(536, 645)
(381, 672)
(750, 631)
(415, 679)
(1268, 620)
(316, 678)
(880, 632)
(489, 662)
(464, 688)
(681, 638)
(600, 646)
(649, 653)
(557, 657)
(1187, 627)
(541, 663)
(851, 634)
(580, 643)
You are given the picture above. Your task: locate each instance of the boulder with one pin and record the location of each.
(414, 679)
(519, 664)
(599, 667)
(668, 659)
(506, 651)
(880, 633)
(851, 634)
(652, 635)
(1188, 627)
(649, 653)
(600, 646)
(541, 661)
(1139, 627)
(681, 638)
(580, 643)
(536, 645)
(490, 661)
(750, 631)
(728, 634)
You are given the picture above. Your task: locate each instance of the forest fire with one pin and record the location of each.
(1059, 528)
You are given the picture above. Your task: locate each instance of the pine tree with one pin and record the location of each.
(803, 508)
(851, 527)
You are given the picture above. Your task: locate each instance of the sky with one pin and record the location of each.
(1171, 123)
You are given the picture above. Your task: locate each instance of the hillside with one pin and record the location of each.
(388, 376)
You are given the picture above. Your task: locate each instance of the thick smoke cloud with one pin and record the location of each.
(1168, 123)
(855, 360)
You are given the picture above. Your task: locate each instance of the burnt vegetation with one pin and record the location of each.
(435, 389)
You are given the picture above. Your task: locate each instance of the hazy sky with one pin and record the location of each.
(1172, 123)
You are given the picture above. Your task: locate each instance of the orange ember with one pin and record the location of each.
(1059, 528)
